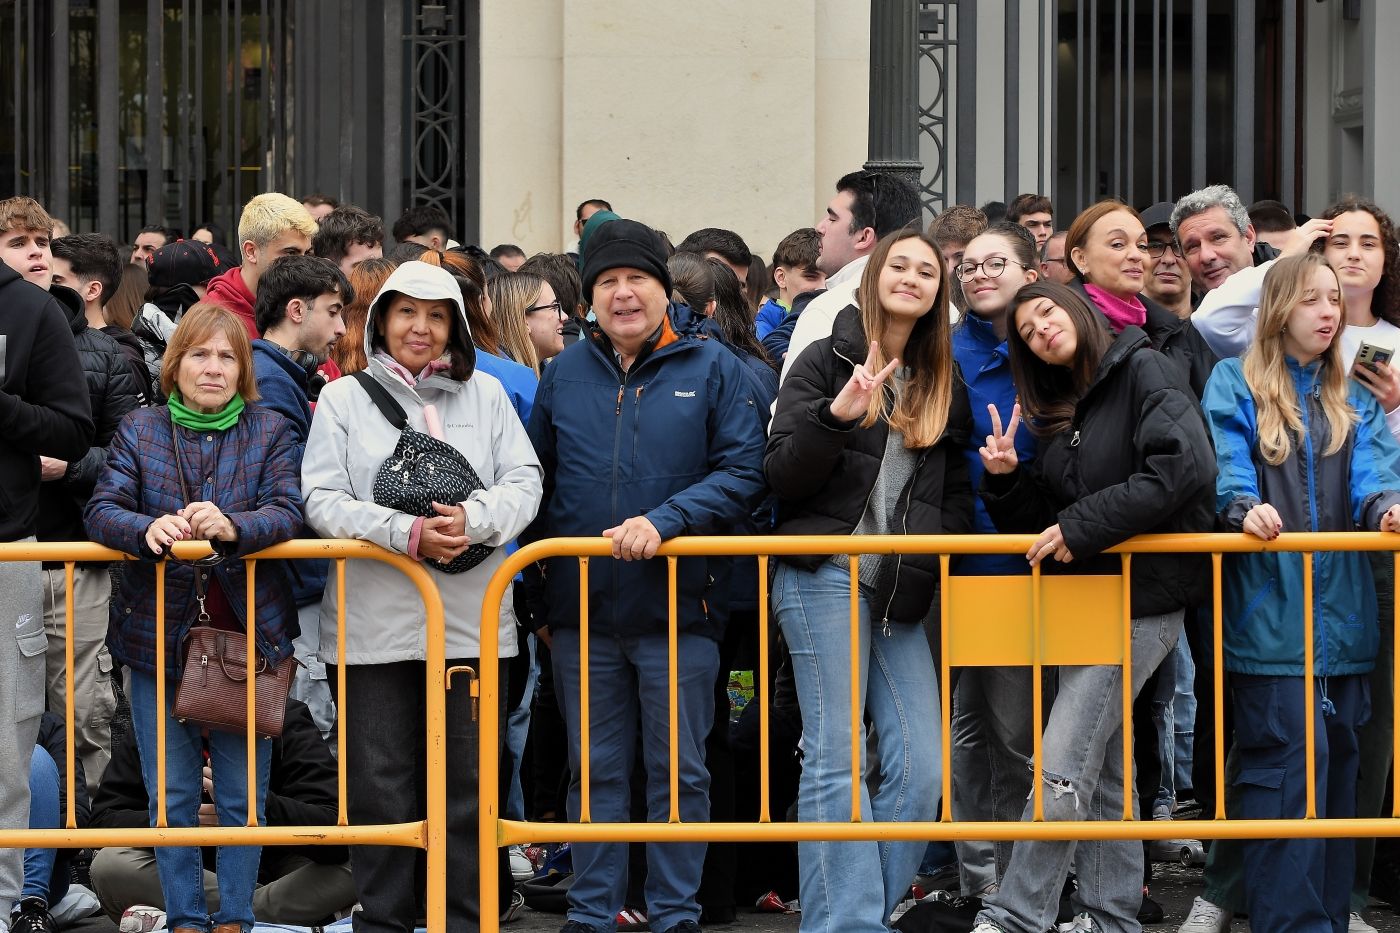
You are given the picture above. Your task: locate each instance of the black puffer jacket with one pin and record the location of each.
(1176, 339)
(823, 469)
(112, 391)
(1136, 460)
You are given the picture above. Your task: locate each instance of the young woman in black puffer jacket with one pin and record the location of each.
(867, 439)
(1123, 451)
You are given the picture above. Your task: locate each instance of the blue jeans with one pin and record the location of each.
(1297, 884)
(627, 686)
(992, 739)
(851, 887)
(44, 813)
(181, 869)
(1082, 769)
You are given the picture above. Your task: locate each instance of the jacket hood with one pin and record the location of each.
(7, 275)
(418, 279)
(72, 304)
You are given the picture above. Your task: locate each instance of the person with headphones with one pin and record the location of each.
(298, 310)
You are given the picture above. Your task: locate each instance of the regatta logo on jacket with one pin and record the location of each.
(680, 394)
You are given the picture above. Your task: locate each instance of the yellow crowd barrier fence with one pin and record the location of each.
(428, 834)
(1036, 621)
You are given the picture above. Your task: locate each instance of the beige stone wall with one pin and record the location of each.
(683, 115)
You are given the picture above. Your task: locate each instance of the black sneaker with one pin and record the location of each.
(31, 915)
(685, 926)
(573, 926)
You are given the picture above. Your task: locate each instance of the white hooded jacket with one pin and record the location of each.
(349, 441)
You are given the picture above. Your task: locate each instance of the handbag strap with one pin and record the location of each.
(200, 594)
(389, 408)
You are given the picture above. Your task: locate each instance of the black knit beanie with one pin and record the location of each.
(625, 243)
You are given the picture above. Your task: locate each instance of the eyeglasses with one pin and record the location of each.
(556, 307)
(992, 267)
(1155, 248)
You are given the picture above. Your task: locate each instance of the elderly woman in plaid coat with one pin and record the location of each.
(238, 462)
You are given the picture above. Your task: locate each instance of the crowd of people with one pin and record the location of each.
(1194, 366)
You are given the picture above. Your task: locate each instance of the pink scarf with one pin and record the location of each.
(1120, 311)
(430, 414)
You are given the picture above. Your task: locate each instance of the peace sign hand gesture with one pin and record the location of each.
(852, 402)
(999, 456)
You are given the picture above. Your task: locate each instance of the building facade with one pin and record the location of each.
(116, 113)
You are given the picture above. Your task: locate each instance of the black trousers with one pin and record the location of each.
(386, 742)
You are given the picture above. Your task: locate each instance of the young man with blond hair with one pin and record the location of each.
(272, 225)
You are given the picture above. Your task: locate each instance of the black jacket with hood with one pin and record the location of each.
(112, 392)
(44, 407)
(1176, 339)
(1137, 459)
(823, 469)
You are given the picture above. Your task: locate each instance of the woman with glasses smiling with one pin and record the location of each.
(529, 317)
(1107, 249)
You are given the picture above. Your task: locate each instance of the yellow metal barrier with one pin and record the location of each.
(428, 834)
(1015, 621)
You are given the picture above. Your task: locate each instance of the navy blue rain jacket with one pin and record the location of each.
(678, 439)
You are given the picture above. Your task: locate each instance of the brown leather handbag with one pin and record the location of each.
(212, 691)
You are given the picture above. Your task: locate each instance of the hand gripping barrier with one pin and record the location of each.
(1034, 621)
(428, 834)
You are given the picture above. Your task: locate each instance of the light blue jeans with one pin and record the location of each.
(181, 870)
(839, 881)
(518, 731)
(1082, 752)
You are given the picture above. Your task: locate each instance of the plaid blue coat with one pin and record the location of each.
(250, 472)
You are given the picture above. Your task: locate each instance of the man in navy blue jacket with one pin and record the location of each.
(645, 433)
(298, 312)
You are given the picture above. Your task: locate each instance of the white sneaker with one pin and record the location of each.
(521, 868)
(985, 927)
(1206, 917)
(1080, 924)
(142, 918)
(1357, 924)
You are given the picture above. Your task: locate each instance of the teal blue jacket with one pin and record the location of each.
(1346, 491)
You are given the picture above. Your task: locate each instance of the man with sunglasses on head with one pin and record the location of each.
(1168, 279)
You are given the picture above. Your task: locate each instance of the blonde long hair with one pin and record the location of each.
(512, 294)
(1265, 371)
(920, 409)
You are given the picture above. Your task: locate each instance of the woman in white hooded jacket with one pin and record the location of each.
(419, 348)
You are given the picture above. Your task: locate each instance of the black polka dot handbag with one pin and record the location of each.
(422, 470)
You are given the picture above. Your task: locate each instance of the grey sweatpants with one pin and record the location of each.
(21, 705)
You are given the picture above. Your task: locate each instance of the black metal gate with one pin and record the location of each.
(117, 113)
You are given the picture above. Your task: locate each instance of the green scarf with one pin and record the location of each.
(221, 420)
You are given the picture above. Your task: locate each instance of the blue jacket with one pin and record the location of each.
(1263, 597)
(517, 379)
(769, 317)
(250, 471)
(677, 439)
(986, 368)
(282, 385)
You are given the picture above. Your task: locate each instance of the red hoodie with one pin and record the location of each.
(228, 291)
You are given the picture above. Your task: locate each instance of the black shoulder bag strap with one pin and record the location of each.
(389, 408)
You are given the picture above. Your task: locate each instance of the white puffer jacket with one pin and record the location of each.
(349, 441)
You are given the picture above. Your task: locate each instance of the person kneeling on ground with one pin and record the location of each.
(299, 885)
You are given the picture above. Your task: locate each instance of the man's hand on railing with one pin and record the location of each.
(635, 539)
(1264, 523)
(999, 456)
(1390, 521)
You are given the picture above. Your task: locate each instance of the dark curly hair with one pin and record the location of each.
(1385, 303)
